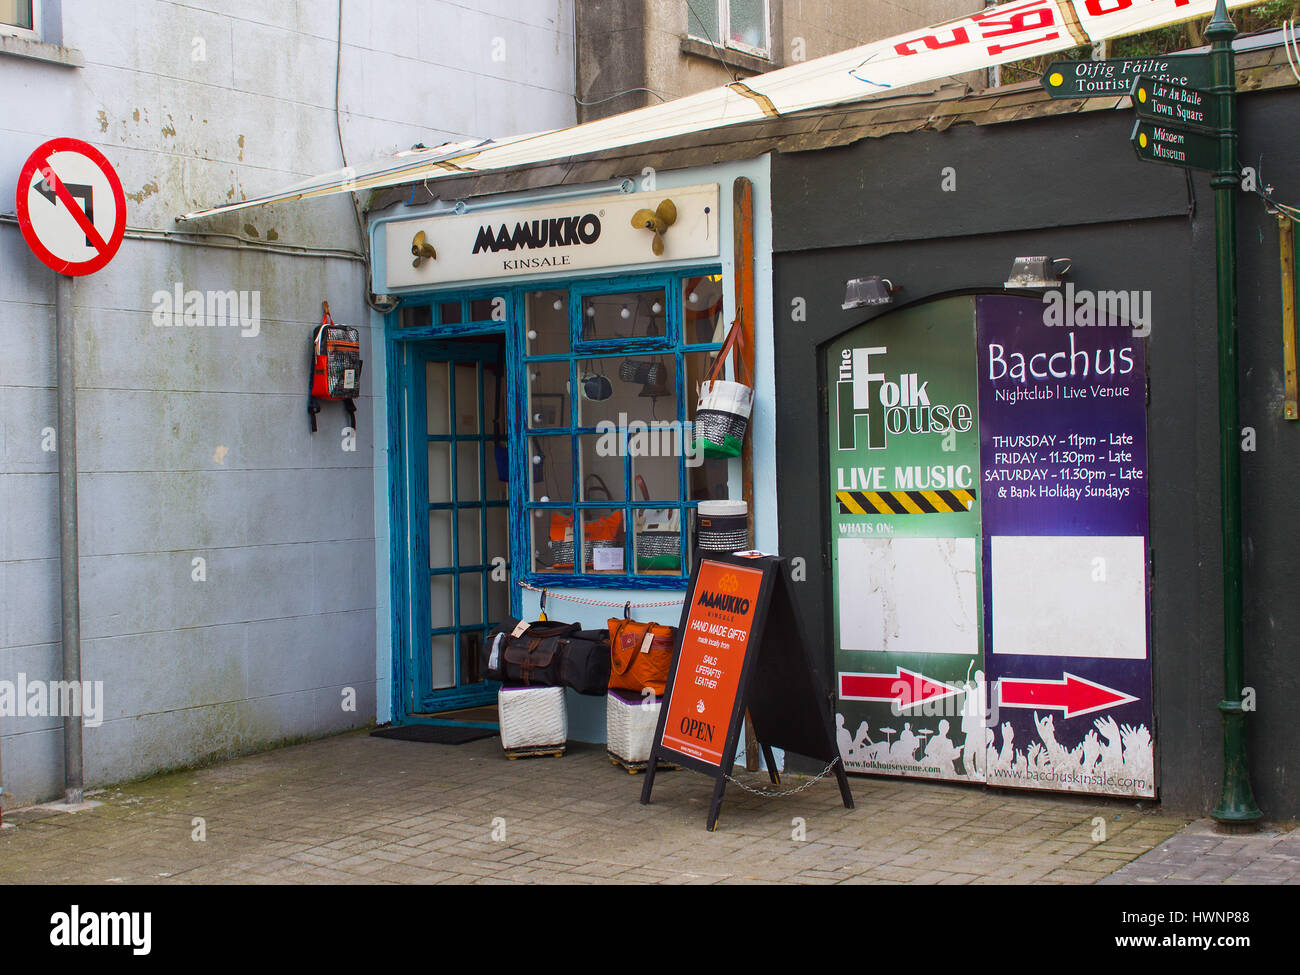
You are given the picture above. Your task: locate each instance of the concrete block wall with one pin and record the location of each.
(194, 442)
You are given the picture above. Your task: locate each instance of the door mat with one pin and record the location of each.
(438, 734)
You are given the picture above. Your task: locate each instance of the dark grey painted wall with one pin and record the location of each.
(1072, 187)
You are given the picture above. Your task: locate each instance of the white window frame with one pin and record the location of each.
(32, 34)
(724, 29)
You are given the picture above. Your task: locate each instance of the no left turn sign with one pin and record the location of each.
(71, 207)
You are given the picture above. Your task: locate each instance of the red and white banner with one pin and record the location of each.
(995, 35)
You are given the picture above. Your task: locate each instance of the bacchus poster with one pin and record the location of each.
(987, 469)
(1063, 453)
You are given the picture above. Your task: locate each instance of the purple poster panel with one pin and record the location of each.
(1062, 398)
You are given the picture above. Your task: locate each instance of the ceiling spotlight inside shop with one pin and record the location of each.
(1037, 272)
(422, 249)
(558, 303)
(532, 334)
(625, 312)
(873, 290)
(591, 311)
(693, 298)
(656, 308)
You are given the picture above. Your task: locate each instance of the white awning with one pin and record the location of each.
(997, 35)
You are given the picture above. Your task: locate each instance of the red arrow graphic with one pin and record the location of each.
(903, 688)
(1073, 695)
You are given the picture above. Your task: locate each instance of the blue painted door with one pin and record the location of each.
(460, 574)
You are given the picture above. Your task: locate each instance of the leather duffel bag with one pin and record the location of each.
(549, 654)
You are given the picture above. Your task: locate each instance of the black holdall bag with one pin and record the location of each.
(585, 661)
(548, 654)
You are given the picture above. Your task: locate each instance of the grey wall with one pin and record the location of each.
(1072, 187)
(263, 649)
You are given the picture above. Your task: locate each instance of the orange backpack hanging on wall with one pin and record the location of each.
(335, 366)
(640, 655)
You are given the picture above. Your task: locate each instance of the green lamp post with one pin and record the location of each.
(1236, 806)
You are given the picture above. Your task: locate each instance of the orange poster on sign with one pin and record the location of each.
(715, 638)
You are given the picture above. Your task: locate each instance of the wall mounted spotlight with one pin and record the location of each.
(1037, 272)
(873, 290)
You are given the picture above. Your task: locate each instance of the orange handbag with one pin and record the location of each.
(640, 655)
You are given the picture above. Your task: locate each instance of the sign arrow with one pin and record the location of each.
(902, 688)
(1175, 146)
(1163, 101)
(78, 191)
(1073, 695)
(1115, 76)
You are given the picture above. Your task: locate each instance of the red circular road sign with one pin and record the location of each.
(71, 207)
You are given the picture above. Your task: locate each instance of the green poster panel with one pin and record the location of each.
(903, 458)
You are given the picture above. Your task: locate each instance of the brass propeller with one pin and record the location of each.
(422, 249)
(657, 221)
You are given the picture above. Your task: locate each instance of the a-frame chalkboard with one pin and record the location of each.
(740, 648)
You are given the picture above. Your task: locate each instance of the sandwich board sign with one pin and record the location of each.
(71, 208)
(740, 649)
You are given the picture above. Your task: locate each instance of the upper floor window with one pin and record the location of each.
(20, 18)
(738, 24)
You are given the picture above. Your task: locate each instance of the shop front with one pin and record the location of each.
(541, 372)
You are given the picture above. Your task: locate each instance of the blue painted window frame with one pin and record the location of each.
(523, 507)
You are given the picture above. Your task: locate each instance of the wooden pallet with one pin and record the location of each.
(635, 768)
(536, 751)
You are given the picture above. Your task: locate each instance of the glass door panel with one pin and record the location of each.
(460, 492)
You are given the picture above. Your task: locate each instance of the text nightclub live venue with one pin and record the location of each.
(980, 337)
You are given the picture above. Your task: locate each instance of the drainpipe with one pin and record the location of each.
(1236, 806)
(69, 582)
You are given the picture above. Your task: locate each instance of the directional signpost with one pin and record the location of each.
(72, 213)
(1175, 146)
(1115, 76)
(1189, 121)
(1165, 101)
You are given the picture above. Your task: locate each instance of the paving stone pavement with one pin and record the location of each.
(356, 809)
(1200, 855)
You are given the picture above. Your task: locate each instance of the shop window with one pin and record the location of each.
(416, 316)
(611, 380)
(491, 308)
